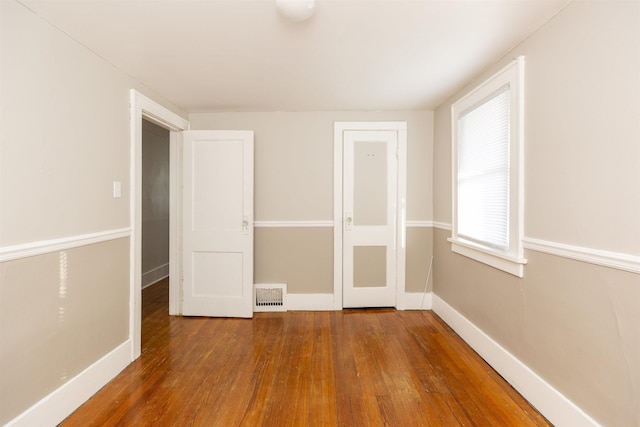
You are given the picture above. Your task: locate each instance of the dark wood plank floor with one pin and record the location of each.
(377, 367)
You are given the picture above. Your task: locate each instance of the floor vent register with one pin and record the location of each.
(270, 297)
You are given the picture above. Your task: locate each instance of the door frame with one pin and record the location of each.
(144, 107)
(401, 204)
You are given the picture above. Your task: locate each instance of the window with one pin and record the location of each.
(487, 129)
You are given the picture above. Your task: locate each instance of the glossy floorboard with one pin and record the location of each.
(377, 367)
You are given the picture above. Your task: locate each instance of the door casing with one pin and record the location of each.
(144, 107)
(338, 150)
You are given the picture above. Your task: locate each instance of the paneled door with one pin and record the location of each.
(217, 223)
(369, 218)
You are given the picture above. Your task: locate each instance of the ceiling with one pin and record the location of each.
(241, 55)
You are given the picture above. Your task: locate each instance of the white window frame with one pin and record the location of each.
(510, 260)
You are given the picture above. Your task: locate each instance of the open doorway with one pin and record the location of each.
(155, 217)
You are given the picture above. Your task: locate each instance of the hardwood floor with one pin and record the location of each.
(376, 367)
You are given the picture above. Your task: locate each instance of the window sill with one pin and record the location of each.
(504, 262)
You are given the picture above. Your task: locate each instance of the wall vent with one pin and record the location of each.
(270, 297)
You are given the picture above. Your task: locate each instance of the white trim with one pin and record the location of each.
(175, 221)
(503, 262)
(419, 224)
(512, 76)
(401, 212)
(58, 405)
(337, 216)
(615, 260)
(418, 300)
(429, 224)
(310, 302)
(292, 224)
(143, 107)
(10, 253)
(338, 152)
(542, 395)
(442, 225)
(155, 275)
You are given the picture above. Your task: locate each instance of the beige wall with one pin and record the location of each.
(64, 140)
(59, 313)
(155, 198)
(300, 257)
(294, 182)
(419, 252)
(576, 325)
(303, 258)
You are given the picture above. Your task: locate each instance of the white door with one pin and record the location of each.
(218, 223)
(369, 213)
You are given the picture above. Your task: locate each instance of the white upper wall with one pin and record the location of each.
(582, 145)
(582, 133)
(64, 136)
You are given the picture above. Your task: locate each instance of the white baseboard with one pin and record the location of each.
(155, 275)
(310, 302)
(324, 302)
(58, 405)
(418, 300)
(545, 398)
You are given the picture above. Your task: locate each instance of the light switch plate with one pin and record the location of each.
(117, 189)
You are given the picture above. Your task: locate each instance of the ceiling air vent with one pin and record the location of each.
(271, 297)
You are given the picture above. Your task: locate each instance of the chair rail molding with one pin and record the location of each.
(617, 260)
(41, 247)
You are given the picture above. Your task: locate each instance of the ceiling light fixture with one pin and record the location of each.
(296, 10)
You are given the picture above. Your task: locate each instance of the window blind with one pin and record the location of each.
(483, 172)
